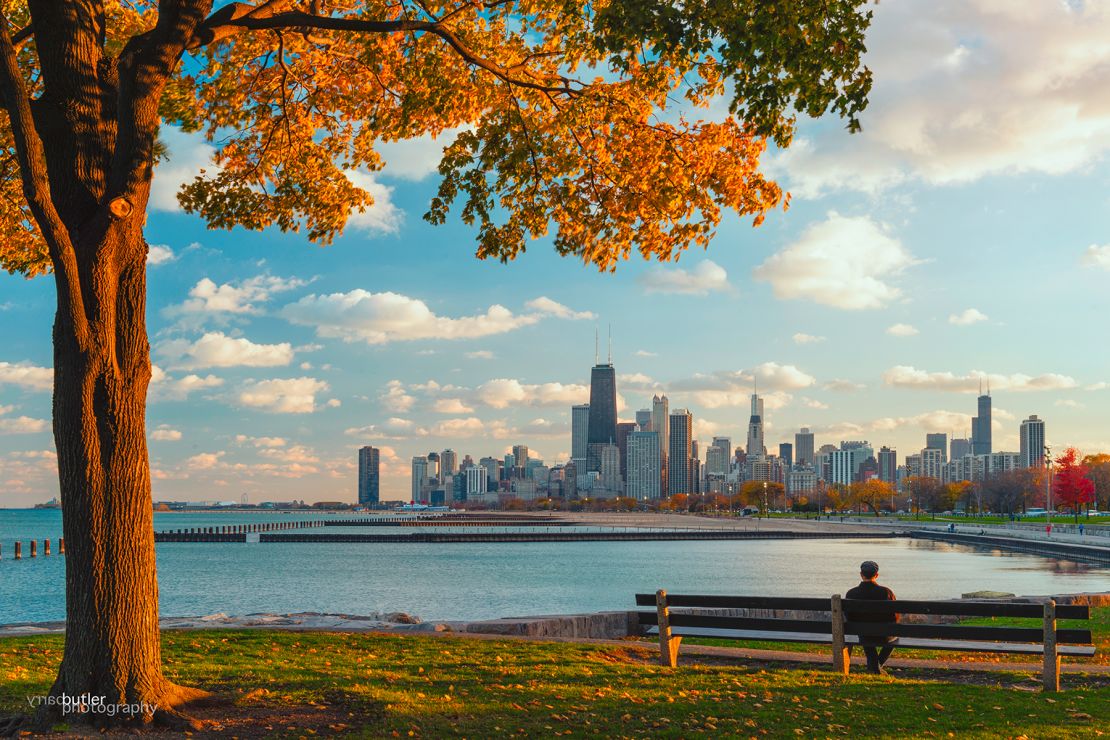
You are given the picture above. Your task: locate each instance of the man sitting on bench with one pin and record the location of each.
(871, 591)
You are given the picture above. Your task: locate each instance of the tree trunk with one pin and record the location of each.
(112, 649)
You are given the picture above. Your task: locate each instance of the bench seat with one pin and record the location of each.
(903, 642)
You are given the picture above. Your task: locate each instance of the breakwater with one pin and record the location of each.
(1047, 548)
(629, 535)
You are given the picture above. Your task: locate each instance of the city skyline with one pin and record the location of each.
(963, 252)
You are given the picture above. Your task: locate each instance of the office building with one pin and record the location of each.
(755, 446)
(801, 480)
(786, 454)
(888, 465)
(520, 455)
(612, 484)
(492, 467)
(624, 428)
(1032, 443)
(579, 433)
(681, 428)
(660, 424)
(369, 482)
(419, 477)
(932, 463)
(958, 448)
(803, 448)
(603, 412)
(938, 441)
(981, 425)
(913, 466)
(725, 443)
(433, 466)
(448, 464)
(643, 420)
(476, 481)
(643, 481)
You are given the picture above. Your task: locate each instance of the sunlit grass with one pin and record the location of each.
(432, 686)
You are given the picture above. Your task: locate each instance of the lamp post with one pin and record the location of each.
(1048, 484)
(765, 498)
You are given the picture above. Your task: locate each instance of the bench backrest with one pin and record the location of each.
(819, 621)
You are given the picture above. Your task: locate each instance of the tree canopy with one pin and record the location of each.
(603, 123)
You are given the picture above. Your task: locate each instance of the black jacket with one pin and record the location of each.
(871, 591)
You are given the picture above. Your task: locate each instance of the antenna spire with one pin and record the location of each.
(980, 385)
(610, 344)
(596, 351)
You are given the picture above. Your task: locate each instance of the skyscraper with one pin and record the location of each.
(368, 479)
(1032, 443)
(643, 420)
(888, 465)
(786, 454)
(579, 433)
(610, 474)
(643, 481)
(932, 465)
(520, 455)
(679, 455)
(725, 443)
(755, 446)
(419, 476)
(660, 424)
(448, 463)
(803, 448)
(958, 448)
(603, 412)
(624, 428)
(938, 441)
(981, 426)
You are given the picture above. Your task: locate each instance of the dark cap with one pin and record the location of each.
(869, 568)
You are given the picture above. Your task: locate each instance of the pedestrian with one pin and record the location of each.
(876, 648)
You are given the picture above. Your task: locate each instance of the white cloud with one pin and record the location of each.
(801, 338)
(240, 297)
(20, 424)
(188, 155)
(414, 159)
(844, 386)
(1069, 403)
(645, 353)
(163, 387)
(980, 87)
(395, 399)
(903, 376)
(26, 375)
(204, 460)
(451, 406)
(282, 395)
(379, 318)
(844, 262)
(165, 433)
(481, 354)
(159, 254)
(501, 393)
(260, 441)
(902, 330)
(967, 317)
(382, 216)
(706, 277)
(1097, 256)
(392, 428)
(216, 349)
(294, 454)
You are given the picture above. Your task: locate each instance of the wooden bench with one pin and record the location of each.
(684, 615)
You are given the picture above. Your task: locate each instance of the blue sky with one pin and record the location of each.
(962, 233)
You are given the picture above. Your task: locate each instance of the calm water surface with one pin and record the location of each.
(484, 580)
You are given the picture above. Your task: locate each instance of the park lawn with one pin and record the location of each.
(1099, 624)
(426, 686)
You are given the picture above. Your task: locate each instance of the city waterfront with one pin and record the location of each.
(486, 580)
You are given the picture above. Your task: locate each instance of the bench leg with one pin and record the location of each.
(841, 660)
(668, 643)
(1051, 673)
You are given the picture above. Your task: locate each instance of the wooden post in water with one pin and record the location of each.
(841, 659)
(61, 545)
(668, 643)
(18, 550)
(34, 548)
(46, 547)
(1051, 654)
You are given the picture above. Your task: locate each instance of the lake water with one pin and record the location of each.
(487, 580)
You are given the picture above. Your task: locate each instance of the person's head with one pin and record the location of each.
(869, 570)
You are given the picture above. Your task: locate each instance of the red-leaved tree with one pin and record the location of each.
(1070, 484)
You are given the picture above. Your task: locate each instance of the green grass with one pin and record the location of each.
(433, 687)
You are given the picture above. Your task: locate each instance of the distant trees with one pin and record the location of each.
(925, 492)
(1010, 492)
(1070, 484)
(871, 493)
(1098, 472)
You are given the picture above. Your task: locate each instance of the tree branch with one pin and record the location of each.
(234, 18)
(36, 185)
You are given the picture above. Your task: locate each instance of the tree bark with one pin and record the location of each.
(113, 649)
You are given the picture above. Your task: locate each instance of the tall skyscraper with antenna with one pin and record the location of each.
(603, 408)
(981, 424)
(755, 447)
